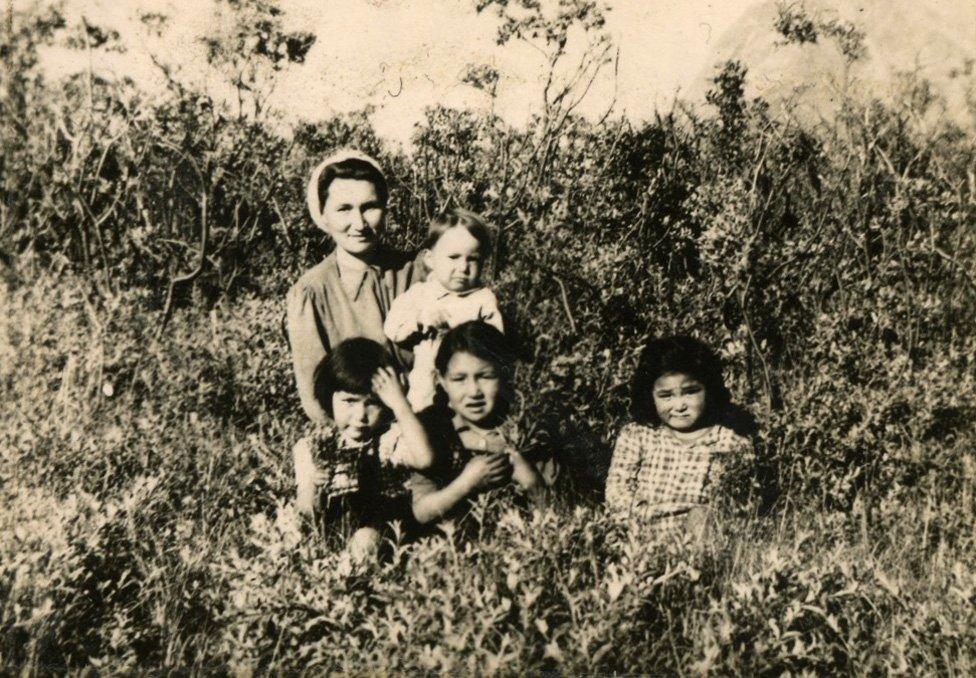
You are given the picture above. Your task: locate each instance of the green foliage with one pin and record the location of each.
(796, 25)
(145, 474)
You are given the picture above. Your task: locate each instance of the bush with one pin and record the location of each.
(146, 422)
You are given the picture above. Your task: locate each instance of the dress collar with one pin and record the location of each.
(503, 430)
(706, 436)
(353, 272)
(440, 292)
(350, 262)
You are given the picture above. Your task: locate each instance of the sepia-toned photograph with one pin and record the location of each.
(488, 337)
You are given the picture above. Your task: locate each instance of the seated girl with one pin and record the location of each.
(476, 447)
(666, 463)
(350, 472)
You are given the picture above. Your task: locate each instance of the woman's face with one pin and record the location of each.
(680, 401)
(473, 386)
(353, 215)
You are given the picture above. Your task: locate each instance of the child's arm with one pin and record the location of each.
(307, 350)
(524, 473)
(308, 477)
(622, 476)
(403, 320)
(484, 470)
(489, 312)
(415, 450)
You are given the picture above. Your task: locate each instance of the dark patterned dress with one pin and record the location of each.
(455, 443)
(365, 484)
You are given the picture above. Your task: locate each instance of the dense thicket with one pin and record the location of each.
(831, 265)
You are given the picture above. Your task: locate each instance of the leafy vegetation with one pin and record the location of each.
(149, 406)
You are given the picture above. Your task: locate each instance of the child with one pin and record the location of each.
(666, 463)
(475, 446)
(346, 473)
(349, 293)
(458, 242)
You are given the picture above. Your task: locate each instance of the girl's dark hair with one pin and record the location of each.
(680, 354)
(352, 168)
(480, 340)
(479, 229)
(349, 367)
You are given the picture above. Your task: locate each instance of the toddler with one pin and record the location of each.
(458, 242)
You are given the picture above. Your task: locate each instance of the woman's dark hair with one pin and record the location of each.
(352, 168)
(480, 340)
(466, 219)
(349, 367)
(677, 354)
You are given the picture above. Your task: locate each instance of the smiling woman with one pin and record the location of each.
(350, 292)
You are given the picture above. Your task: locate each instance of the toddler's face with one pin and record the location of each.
(680, 401)
(356, 415)
(455, 260)
(472, 385)
(353, 215)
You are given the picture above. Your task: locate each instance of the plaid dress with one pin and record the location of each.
(364, 484)
(656, 476)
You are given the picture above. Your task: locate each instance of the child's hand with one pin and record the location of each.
(697, 523)
(434, 318)
(486, 470)
(523, 473)
(386, 385)
(308, 479)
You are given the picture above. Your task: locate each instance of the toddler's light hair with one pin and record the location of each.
(474, 223)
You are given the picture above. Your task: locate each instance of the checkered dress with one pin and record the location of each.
(372, 467)
(655, 476)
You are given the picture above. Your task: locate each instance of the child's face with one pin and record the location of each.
(353, 215)
(455, 260)
(356, 415)
(472, 385)
(680, 401)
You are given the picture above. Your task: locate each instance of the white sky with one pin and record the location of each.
(368, 50)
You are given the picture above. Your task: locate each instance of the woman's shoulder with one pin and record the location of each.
(314, 280)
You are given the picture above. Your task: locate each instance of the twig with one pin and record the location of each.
(192, 275)
(281, 219)
(569, 314)
(962, 267)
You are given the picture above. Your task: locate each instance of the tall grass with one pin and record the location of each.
(146, 487)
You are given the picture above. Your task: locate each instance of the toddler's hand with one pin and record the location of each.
(433, 318)
(486, 470)
(386, 385)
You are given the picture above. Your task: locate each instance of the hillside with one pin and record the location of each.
(935, 40)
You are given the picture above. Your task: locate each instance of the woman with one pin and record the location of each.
(349, 293)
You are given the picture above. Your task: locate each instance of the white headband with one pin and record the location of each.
(312, 192)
